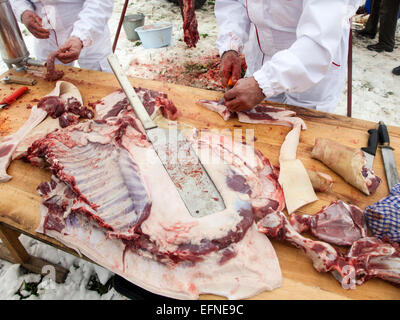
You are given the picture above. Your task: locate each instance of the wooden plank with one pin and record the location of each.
(19, 204)
(10, 240)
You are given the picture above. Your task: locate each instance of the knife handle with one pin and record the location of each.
(372, 142)
(383, 134)
(15, 95)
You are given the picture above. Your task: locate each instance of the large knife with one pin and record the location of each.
(389, 163)
(370, 151)
(191, 179)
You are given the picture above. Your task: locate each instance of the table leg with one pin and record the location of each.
(18, 254)
(10, 240)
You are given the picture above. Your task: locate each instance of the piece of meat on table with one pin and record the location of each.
(216, 107)
(374, 258)
(111, 199)
(320, 181)
(367, 258)
(260, 114)
(154, 102)
(52, 74)
(9, 144)
(339, 223)
(349, 163)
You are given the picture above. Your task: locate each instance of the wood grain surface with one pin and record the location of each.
(19, 202)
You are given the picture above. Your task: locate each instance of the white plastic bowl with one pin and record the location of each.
(155, 35)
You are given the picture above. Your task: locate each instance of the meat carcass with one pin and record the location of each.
(339, 223)
(293, 176)
(111, 199)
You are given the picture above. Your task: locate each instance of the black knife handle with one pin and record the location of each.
(383, 134)
(372, 142)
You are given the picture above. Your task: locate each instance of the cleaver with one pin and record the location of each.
(175, 152)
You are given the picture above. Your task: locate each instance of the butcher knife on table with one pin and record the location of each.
(198, 192)
(370, 151)
(389, 163)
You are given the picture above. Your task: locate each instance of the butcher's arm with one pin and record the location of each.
(307, 61)
(233, 25)
(19, 6)
(91, 20)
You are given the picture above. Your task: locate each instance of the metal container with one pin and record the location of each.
(131, 22)
(156, 35)
(12, 46)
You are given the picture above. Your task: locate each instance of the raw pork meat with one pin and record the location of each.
(367, 258)
(223, 111)
(190, 32)
(153, 101)
(53, 74)
(10, 143)
(15, 144)
(111, 199)
(339, 223)
(64, 102)
(260, 114)
(320, 181)
(349, 163)
(373, 258)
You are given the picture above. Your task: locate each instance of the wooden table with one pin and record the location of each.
(19, 202)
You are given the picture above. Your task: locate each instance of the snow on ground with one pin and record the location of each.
(375, 97)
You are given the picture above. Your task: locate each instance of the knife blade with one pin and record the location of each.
(389, 162)
(370, 151)
(229, 87)
(175, 152)
(12, 97)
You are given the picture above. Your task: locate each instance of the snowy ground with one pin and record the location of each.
(375, 97)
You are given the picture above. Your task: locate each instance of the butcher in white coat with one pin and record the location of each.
(77, 27)
(296, 51)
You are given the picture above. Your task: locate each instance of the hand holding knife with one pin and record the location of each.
(230, 86)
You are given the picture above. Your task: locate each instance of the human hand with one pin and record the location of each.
(70, 50)
(244, 95)
(231, 67)
(34, 24)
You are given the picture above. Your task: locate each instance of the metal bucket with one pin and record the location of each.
(131, 22)
(155, 35)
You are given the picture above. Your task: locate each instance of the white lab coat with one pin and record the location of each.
(295, 49)
(85, 19)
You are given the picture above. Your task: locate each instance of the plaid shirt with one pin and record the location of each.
(383, 217)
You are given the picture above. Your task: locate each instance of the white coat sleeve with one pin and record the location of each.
(19, 6)
(233, 24)
(92, 19)
(319, 33)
